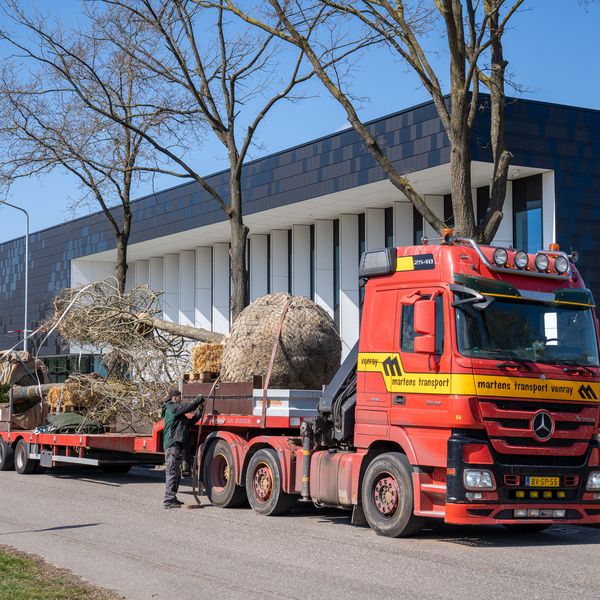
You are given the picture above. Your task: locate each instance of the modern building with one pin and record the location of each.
(313, 209)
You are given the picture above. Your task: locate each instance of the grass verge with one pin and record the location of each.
(28, 577)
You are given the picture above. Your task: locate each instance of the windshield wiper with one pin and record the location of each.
(577, 367)
(513, 357)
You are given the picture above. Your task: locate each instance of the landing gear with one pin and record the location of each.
(388, 497)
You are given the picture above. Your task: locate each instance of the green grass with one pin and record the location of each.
(27, 578)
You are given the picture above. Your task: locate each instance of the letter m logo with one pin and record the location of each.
(391, 366)
(586, 392)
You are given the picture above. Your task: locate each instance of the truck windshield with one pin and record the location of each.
(527, 331)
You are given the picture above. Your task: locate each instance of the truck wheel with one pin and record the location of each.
(23, 464)
(263, 485)
(388, 497)
(7, 456)
(219, 477)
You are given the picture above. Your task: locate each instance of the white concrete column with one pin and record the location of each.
(130, 278)
(157, 277)
(349, 297)
(504, 236)
(279, 260)
(259, 276)
(203, 306)
(301, 260)
(187, 287)
(403, 224)
(374, 228)
(436, 204)
(142, 272)
(82, 272)
(221, 288)
(324, 265)
(171, 295)
(548, 210)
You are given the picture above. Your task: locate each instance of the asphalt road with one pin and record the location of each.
(113, 531)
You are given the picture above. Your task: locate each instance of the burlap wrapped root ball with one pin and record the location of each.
(309, 349)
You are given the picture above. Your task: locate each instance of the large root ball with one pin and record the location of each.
(308, 352)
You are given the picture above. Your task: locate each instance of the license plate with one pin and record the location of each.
(542, 481)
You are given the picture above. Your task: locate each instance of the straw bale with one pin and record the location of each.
(308, 352)
(207, 357)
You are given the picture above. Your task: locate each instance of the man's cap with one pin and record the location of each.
(172, 394)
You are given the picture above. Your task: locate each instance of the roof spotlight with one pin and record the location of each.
(500, 256)
(541, 262)
(521, 259)
(561, 264)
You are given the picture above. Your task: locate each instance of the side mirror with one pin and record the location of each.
(425, 326)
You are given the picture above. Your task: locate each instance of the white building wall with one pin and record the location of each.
(279, 261)
(204, 296)
(374, 228)
(221, 288)
(157, 275)
(436, 204)
(171, 282)
(142, 272)
(259, 263)
(324, 265)
(403, 224)
(301, 260)
(187, 287)
(504, 236)
(548, 210)
(349, 297)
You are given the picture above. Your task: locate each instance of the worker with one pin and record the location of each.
(175, 436)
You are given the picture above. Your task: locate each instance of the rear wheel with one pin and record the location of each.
(23, 464)
(388, 497)
(7, 456)
(219, 477)
(263, 485)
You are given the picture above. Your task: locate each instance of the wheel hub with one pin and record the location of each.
(386, 496)
(263, 483)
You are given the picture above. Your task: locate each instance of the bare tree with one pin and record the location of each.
(473, 32)
(45, 124)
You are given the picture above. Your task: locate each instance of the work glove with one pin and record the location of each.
(202, 400)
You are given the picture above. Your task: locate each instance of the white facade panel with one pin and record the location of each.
(504, 236)
(301, 274)
(187, 286)
(171, 295)
(374, 228)
(142, 272)
(548, 210)
(349, 296)
(259, 276)
(324, 265)
(203, 305)
(403, 224)
(279, 261)
(436, 204)
(221, 288)
(82, 272)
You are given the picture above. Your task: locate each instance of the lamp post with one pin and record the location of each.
(25, 332)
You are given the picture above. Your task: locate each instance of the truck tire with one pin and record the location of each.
(263, 485)
(7, 456)
(23, 464)
(388, 496)
(219, 477)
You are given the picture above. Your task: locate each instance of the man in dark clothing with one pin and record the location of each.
(175, 437)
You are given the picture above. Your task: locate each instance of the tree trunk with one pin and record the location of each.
(239, 234)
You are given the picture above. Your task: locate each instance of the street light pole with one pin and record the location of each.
(25, 331)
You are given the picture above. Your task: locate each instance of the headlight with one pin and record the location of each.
(541, 262)
(474, 479)
(593, 482)
(521, 259)
(561, 264)
(500, 256)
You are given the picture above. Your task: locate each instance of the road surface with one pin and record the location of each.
(113, 531)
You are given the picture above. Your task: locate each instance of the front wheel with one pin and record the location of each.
(7, 456)
(388, 497)
(218, 476)
(263, 485)
(23, 464)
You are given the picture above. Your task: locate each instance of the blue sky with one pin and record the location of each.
(553, 53)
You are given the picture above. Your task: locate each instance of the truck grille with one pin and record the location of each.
(565, 429)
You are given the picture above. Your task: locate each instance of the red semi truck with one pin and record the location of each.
(471, 396)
